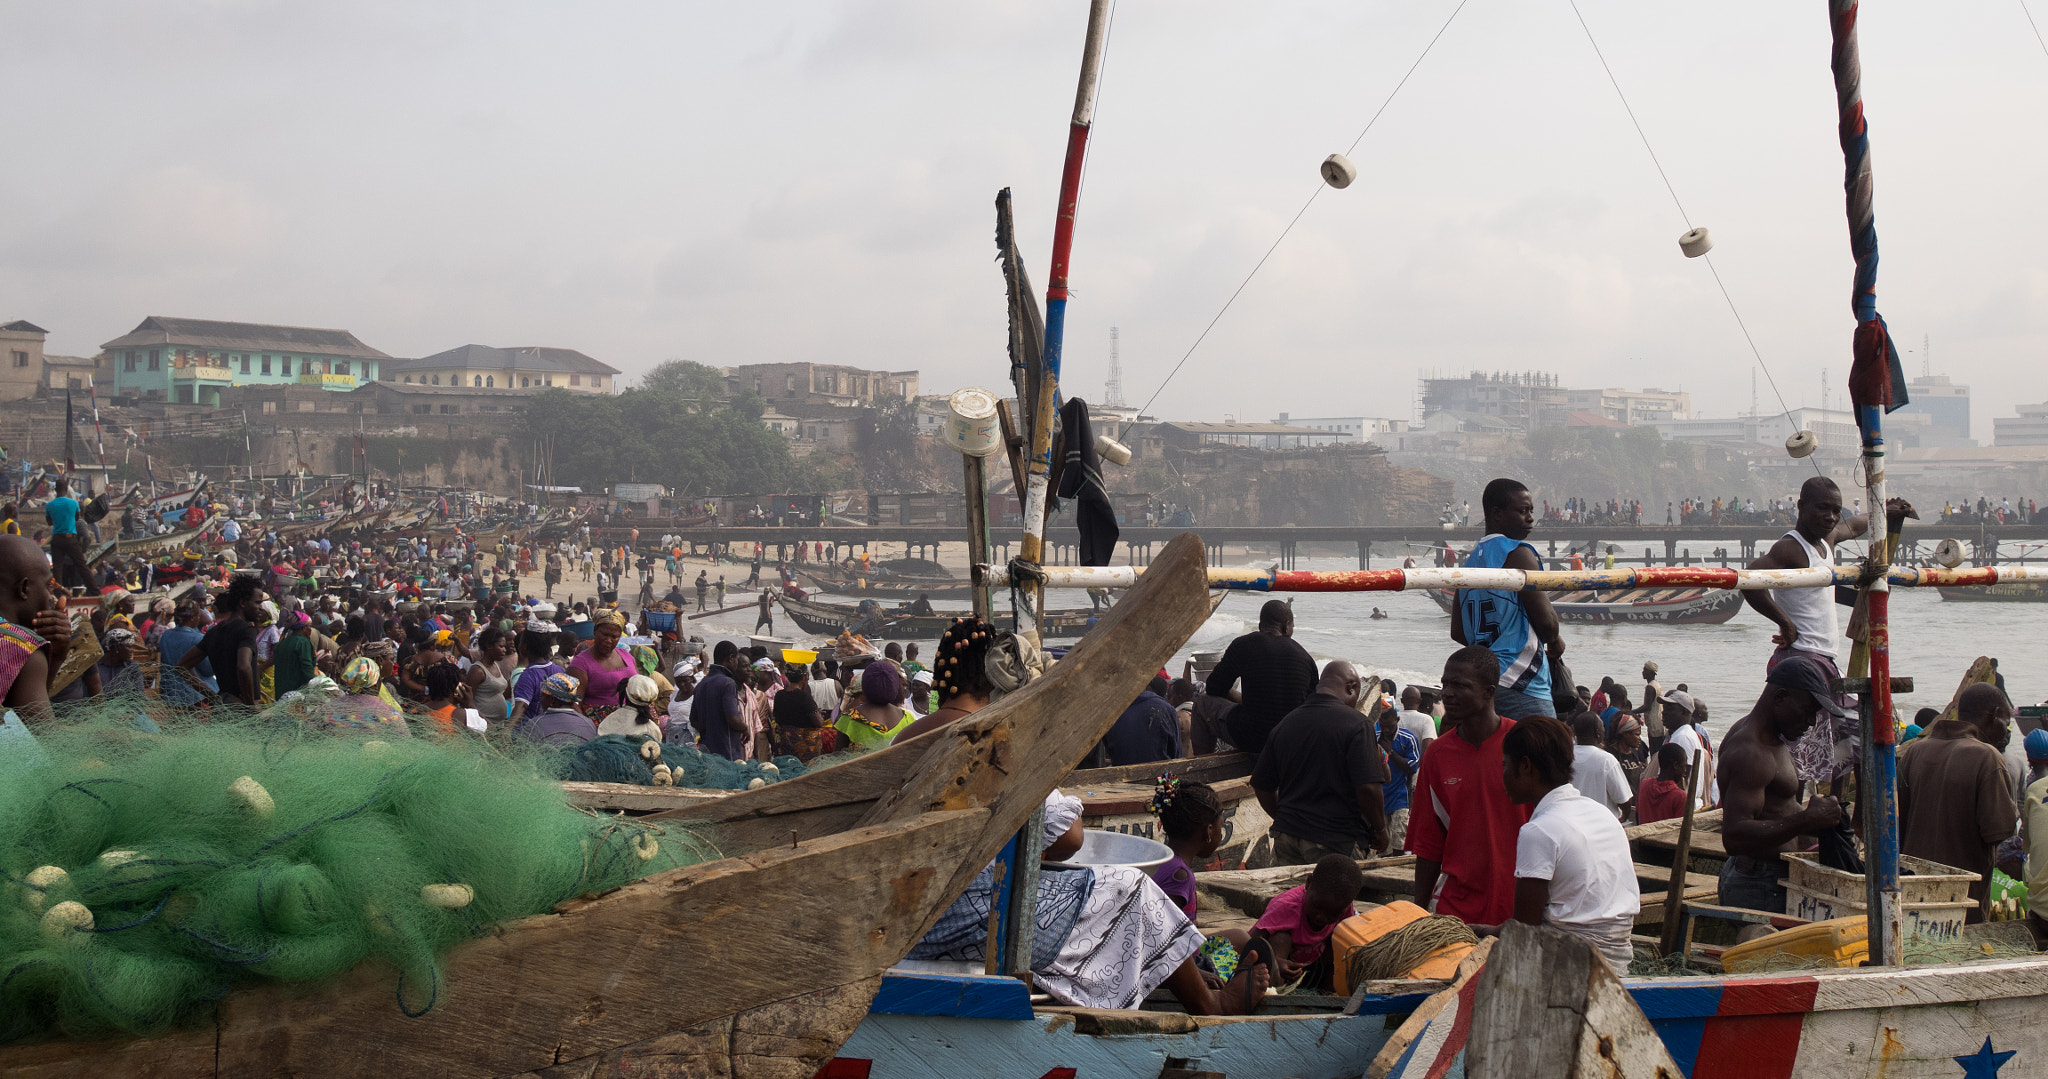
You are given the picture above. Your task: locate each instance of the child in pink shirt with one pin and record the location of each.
(1299, 921)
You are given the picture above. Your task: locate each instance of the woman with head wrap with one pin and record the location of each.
(117, 669)
(636, 716)
(602, 669)
(162, 616)
(360, 707)
(559, 720)
(875, 715)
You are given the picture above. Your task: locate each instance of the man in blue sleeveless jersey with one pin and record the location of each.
(1517, 626)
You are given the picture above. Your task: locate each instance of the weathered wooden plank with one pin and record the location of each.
(1548, 1004)
(789, 1039)
(1209, 769)
(636, 798)
(1415, 1036)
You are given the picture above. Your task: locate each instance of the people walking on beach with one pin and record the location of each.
(1521, 626)
(703, 589)
(767, 615)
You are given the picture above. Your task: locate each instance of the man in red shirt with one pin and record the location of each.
(1662, 796)
(1463, 825)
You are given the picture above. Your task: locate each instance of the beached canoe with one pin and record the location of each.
(2010, 592)
(1670, 606)
(843, 868)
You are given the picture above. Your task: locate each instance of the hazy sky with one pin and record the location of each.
(790, 181)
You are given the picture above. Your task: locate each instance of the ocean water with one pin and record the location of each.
(1933, 641)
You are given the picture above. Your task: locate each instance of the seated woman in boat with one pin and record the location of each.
(960, 668)
(1299, 921)
(1573, 871)
(1106, 936)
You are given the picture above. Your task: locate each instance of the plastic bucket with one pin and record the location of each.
(971, 425)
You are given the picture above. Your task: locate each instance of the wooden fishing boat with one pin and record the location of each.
(886, 588)
(1620, 606)
(849, 866)
(170, 543)
(2010, 592)
(829, 619)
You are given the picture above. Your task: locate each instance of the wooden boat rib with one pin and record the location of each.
(849, 866)
(1672, 606)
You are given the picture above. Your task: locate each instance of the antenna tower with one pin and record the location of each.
(1113, 393)
(1926, 355)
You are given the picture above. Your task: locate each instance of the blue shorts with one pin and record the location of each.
(1515, 704)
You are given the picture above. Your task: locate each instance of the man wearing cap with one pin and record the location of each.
(1955, 801)
(1761, 817)
(1682, 729)
(560, 722)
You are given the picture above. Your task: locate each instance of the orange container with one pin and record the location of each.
(1362, 929)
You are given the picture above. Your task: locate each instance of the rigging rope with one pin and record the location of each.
(2037, 28)
(1687, 218)
(1204, 335)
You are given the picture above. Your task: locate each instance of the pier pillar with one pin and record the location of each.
(1364, 554)
(1670, 552)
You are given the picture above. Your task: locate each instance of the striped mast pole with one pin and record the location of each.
(1872, 392)
(1036, 496)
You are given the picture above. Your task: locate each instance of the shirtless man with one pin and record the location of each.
(1808, 623)
(1760, 813)
(36, 635)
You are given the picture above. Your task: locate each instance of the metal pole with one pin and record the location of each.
(1870, 389)
(1035, 494)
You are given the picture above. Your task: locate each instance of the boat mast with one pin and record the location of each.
(1870, 391)
(1032, 549)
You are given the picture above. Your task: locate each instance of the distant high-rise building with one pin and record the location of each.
(1947, 407)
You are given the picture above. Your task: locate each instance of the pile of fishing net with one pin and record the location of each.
(631, 758)
(148, 874)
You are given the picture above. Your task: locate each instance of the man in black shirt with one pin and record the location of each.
(1320, 776)
(1278, 675)
(231, 642)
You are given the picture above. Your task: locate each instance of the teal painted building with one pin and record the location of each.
(189, 360)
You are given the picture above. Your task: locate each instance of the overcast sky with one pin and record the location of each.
(814, 181)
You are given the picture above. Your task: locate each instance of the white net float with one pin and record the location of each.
(1695, 242)
(1948, 554)
(1338, 171)
(1111, 450)
(1802, 444)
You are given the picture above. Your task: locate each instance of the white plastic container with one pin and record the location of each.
(971, 424)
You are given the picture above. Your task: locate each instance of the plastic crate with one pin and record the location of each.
(1932, 921)
(1920, 881)
(660, 621)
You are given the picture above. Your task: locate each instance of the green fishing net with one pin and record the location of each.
(148, 872)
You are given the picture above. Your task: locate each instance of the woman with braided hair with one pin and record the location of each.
(1191, 823)
(960, 674)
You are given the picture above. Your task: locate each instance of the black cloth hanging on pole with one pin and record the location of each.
(1081, 480)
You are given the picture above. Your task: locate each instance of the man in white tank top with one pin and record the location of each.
(1808, 620)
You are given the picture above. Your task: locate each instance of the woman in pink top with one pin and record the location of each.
(605, 665)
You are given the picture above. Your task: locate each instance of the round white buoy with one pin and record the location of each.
(250, 795)
(65, 917)
(41, 882)
(1802, 444)
(756, 783)
(1338, 172)
(971, 424)
(650, 749)
(1948, 554)
(1111, 450)
(447, 896)
(646, 846)
(770, 768)
(1695, 242)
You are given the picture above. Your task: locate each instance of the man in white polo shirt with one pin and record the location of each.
(1573, 871)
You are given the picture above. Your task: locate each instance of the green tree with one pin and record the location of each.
(690, 379)
(661, 436)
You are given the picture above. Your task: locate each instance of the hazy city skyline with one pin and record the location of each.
(815, 182)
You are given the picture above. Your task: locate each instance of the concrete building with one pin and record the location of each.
(1836, 429)
(797, 385)
(189, 360)
(21, 359)
(2029, 428)
(528, 367)
(1348, 428)
(61, 373)
(1258, 436)
(1946, 406)
(413, 399)
(1631, 407)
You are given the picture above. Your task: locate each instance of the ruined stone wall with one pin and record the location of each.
(1331, 485)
